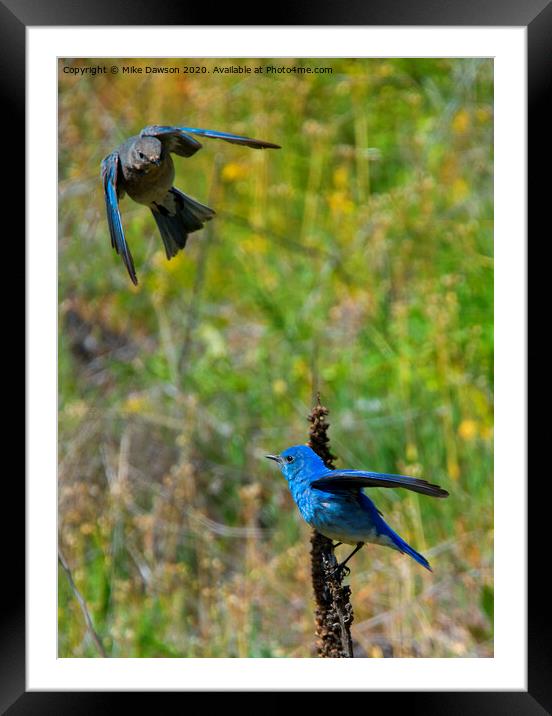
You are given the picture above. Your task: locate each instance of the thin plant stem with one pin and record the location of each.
(84, 607)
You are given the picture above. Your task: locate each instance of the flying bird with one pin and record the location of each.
(333, 503)
(142, 167)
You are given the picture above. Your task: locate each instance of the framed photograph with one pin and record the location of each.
(353, 228)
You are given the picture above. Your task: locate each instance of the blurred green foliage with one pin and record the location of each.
(358, 261)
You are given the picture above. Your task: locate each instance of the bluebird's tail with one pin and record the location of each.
(402, 546)
(177, 216)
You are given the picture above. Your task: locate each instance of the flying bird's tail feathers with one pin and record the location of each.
(176, 217)
(402, 546)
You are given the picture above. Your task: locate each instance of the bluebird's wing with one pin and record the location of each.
(338, 480)
(173, 139)
(232, 138)
(178, 140)
(110, 170)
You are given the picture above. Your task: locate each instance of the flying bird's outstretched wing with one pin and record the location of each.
(178, 140)
(338, 480)
(110, 170)
(173, 139)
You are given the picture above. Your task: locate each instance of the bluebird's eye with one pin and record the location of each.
(142, 156)
(289, 458)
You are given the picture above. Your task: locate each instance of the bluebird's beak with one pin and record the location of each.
(276, 458)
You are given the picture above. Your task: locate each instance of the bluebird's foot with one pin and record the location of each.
(341, 568)
(340, 571)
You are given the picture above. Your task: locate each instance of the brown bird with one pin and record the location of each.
(142, 167)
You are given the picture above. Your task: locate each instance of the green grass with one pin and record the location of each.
(358, 261)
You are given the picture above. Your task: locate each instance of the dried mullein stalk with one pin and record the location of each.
(334, 613)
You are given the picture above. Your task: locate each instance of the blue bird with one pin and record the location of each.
(142, 167)
(333, 503)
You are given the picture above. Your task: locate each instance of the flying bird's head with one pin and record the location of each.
(146, 153)
(298, 461)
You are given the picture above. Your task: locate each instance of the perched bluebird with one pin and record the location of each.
(142, 167)
(333, 503)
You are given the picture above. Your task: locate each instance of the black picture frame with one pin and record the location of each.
(536, 16)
